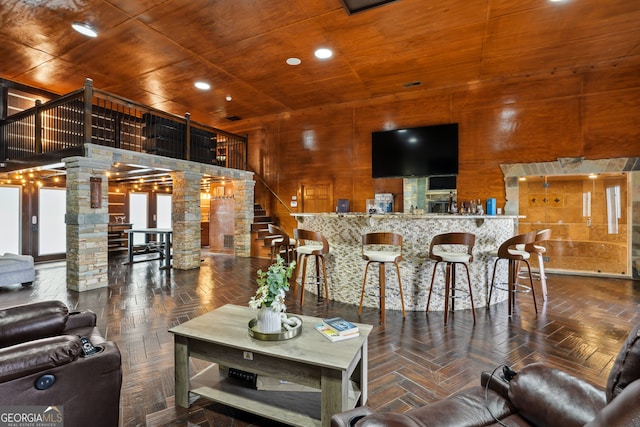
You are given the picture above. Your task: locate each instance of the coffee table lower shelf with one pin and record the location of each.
(275, 405)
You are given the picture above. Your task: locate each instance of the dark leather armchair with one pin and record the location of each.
(42, 363)
(537, 395)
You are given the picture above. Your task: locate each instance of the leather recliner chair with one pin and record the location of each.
(537, 395)
(42, 363)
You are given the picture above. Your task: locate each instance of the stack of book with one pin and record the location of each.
(337, 329)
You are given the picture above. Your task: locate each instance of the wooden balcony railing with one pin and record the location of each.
(94, 116)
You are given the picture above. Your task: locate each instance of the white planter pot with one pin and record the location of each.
(269, 321)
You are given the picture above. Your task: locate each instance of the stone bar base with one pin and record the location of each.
(345, 266)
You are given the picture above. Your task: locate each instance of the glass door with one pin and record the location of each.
(588, 218)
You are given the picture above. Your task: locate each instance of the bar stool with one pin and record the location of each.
(282, 244)
(311, 243)
(537, 249)
(452, 255)
(382, 248)
(507, 251)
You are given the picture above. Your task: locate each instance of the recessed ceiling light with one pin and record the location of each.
(228, 98)
(294, 61)
(84, 28)
(202, 85)
(323, 53)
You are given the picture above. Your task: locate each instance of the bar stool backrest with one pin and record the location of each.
(274, 229)
(307, 238)
(541, 236)
(507, 249)
(454, 238)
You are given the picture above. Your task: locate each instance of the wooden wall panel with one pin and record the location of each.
(612, 118)
(529, 132)
(516, 91)
(592, 114)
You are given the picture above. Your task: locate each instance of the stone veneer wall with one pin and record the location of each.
(579, 166)
(87, 263)
(87, 256)
(185, 220)
(635, 224)
(243, 195)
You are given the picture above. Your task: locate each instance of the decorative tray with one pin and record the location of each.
(285, 334)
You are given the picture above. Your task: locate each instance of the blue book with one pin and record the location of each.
(343, 327)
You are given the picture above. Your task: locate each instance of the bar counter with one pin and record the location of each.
(345, 266)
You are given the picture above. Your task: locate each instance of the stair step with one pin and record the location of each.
(259, 226)
(263, 233)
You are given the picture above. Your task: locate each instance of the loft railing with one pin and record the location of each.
(94, 116)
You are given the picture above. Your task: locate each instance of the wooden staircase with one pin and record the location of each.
(260, 236)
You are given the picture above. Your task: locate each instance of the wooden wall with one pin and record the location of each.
(593, 114)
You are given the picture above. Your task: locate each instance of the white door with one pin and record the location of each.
(138, 215)
(10, 219)
(52, 231)
(163, 219)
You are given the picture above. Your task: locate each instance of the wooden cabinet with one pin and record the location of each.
(204, 233)
(116, 237)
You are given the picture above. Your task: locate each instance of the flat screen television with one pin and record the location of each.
(415, 152)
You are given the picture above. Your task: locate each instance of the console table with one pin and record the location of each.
(337, 369)
(164, 243)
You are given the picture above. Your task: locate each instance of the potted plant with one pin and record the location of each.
(269, 298)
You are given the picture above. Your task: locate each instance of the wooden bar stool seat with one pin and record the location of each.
(508, 251)
(311, 244)
(452, 249)
(382, 248)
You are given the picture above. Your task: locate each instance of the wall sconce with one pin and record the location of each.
(95, 184)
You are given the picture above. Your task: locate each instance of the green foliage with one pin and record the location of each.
(272, 286)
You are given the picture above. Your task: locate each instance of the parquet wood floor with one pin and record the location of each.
(411, 362)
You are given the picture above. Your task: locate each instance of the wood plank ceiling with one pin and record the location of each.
(152, 51)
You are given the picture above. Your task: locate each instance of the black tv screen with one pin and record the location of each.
(415, 152)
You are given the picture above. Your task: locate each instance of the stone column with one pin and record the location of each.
(243, 195)
(634, 193)
(185, 219)
(87, 247)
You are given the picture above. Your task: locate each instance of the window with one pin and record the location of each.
(10, 219)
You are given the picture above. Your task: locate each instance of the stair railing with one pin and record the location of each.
(282, 202)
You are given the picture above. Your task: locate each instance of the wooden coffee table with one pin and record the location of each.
(337, 369)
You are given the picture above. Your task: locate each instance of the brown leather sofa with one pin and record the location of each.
(42, 363)
(536, 396)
